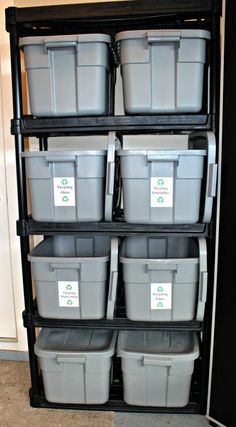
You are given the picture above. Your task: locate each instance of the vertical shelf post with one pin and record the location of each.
(22, 199)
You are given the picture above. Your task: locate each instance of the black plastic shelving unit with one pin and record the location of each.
(111, 18)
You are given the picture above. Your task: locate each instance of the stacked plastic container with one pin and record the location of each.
(74, 275)
(166, 179)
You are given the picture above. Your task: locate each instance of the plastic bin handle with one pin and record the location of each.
(162, 158)
(211, 190)
(110, 175)
(113, 287)
(156, 265)
(203, 279)
(62, 45)
(158, 37)
(61, 358)
(157, 361)
(51, 159)
(113, 281)
(203, 286)
(55, 266)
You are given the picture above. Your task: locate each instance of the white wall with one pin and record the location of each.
(10, 283)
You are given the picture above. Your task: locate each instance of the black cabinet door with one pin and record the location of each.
(223, 386)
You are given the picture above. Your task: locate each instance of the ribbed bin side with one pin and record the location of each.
(162, 187)
(162, 70)
(71, 275)
(76, 364)
(66, 188)
(73, 72)
(161, 278)
(157, 367)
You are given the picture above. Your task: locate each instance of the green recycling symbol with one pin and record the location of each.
(69, 302)
(160, 304)
(160, 289)
(65, 199)
(160, 181)
(68, 287)
(64, 181)
(160, 199)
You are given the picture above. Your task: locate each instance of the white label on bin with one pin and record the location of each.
(161, 192)
(161, 296)
(64, 191)
(68, 294)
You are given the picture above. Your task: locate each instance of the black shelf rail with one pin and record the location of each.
(32, 126)
(118, 228)
(121, 323)
(111, 15)
(113, 404)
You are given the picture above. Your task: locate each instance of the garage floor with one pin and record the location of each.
(16, 411)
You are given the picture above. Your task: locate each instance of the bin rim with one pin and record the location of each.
(141, 34)
(184, 260)
(79, 38)
(66, 260)
(55, 153)
(161, 152)
(33, 257)
(184, 356)
(52, 354)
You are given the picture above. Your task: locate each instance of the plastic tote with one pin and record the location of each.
(76, 364)
(172, 184)
(71, 275)
(162, 70)
(157, 366)
(165, 278)
(71, 186)
(67, 74)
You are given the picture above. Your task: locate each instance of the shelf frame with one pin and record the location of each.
(105, 17)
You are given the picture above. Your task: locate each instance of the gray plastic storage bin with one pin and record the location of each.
(70, 186)
(165, 186)
(157, 366)
(76, 364)
(67, 74)
(162, 70)
(71, 275)
(165, 278)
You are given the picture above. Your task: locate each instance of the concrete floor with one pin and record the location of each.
(15, 410)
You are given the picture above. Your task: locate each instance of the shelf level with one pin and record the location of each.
(121, 323)
(119, 228)
(30, 126)
(125, 15)
(116, 405)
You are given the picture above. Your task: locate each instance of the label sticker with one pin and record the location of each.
(161, 296)
(161, 192)
(64, 191)
(68, 294)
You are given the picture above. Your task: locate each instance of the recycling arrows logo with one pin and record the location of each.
(64, 181)
(160, 181)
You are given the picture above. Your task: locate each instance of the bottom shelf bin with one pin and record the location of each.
(76, 364)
